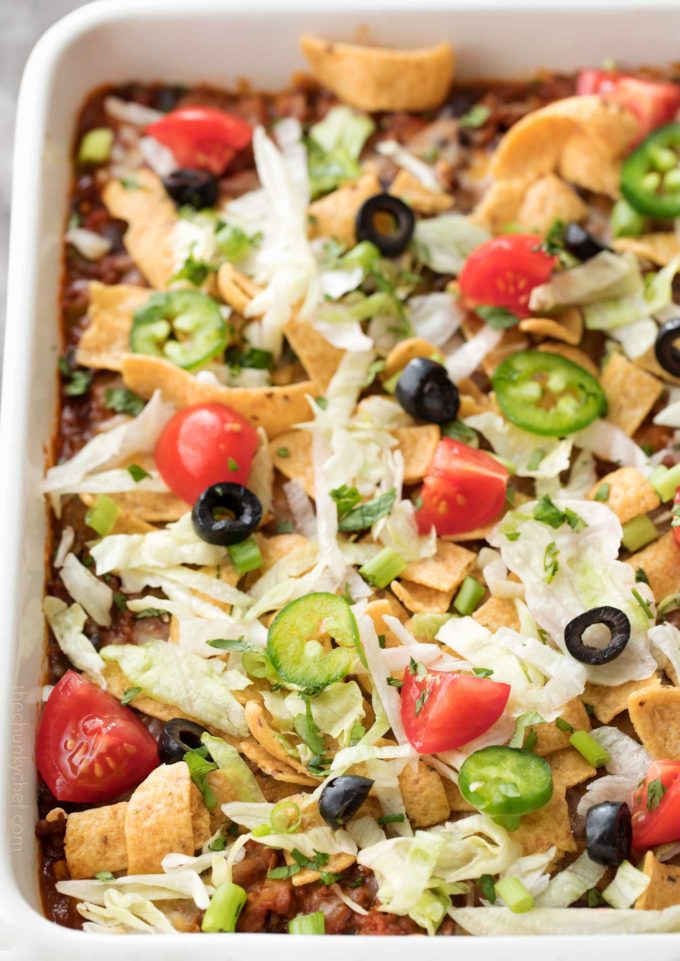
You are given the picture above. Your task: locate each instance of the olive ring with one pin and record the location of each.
(178, 736)
(611, 617)
(223, 531)
(666, 352)
(387, 222)
(426, 392)
(342, 797)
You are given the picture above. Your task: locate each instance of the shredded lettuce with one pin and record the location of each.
(202, 688)
(623, 310)
(566, 571)
(227, 758)
(177, 543)
(67, 626)
(665, 640)
(603, 277)
(335, 710)
(123, 913)
(529, 455)
(93, 595)
(334, 148)
(464, 360)
(566, 921)
(444, 243)
(610, 443)
(571, 883)
(185, 883)
(434, 317)
(626, 768)
(627, 886)
(636, 338)
(402, 157)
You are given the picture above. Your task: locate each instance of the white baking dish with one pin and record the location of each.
(217, 41)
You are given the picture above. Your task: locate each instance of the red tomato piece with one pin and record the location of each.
(464, 488)
(654, 102)
(204, 445)
(443, 711)
(91, 748)
(202, 136)
(503, 271)
(676, 516)
(656, 806)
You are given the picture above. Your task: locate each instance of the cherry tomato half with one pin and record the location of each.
(656, 806)
(503, 271)
(91, 748)
(653, 102)
(204, 445)
(442, 711)
(464, 488)
(202, 136)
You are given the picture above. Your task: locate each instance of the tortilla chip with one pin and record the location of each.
(588, 163)
(236, 289)
(497, 612)
(631, 393)
(658, 248)
(376, 610)
(337, 863)
(630, 493)
(659, 561)
(107, 336)
(663, 890)
(276, 409)
(151, 217)
(571, 353)
(335, 214)
(417, 598)
(279, 546)
(377, 78)
(552, 738)
(158, 819)
(291, 454)
(656, 718)
(567, 326)
(424, 796)
(152, 506)
(266, 737)
(478, 534)
(511, 342)
(422, 199)
(319, 358)
(569, 768)
(457, 802)
(500, 204)
(200, 818)
(445, 570)
(547, 200)
(548, 826)
(417, 446)
(272, 766)
(95, 841)
(405, 351)
(608, 702)
(126, 522)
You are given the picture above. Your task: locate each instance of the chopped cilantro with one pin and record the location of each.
(564, 725)
(150, 612)
(120, 601)
(498, 318)
(487, 888)
(535, 459)
(123, 401)
(285, 527)
(130, 694)
(482, 671)
(236, 645)
(283, 452)
(195, 271)
(363, 516)
(641, 577)
(548, 513)
(232, 465)
(308, 730)
(655, 792)
(645, 605)
(602, 493)
(137, 473)
(345, 499)
(457, 430)
(550, 562)
(476, 116)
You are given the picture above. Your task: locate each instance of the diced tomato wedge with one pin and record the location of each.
(204, 445)
(443, 711)
(91, 748)
(656, 806)
(464, 488)
(503, 271)
(202, 137)
(654, 102)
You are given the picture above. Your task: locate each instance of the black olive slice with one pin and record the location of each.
(611, 617)
(580, 243)
(242, 505)
(177, 737)
(666, 352)
(387, 222)
(609, 833)
(342, 797)
(191, 188)
(426, 392)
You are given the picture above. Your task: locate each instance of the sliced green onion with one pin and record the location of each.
(515, 895)
(257, 664)
(95, 147)
(638, 532)
(383, 568)
(468, 597)
(390, 385)
(426, 625)
(627, 222)
(102, 515)
(587, 747)
(308, 924)
(365, 255)
(286, 817)
(223, 911)
(245, 556)
(665, 481)
(261, 831)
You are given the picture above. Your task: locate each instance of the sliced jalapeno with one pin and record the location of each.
(505, 782)
(185, 327)
(650, 176)
(295, 635)
(547, 394)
